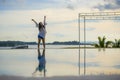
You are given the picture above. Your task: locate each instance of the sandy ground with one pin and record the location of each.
(92, 77)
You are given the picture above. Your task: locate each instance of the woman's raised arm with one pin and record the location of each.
(44, 22)
(35, 22)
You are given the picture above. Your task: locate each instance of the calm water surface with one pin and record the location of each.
(58, 62)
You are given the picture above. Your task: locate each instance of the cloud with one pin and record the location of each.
(71, 7)
(70, 4)
(109, 5)
(46, 4)
(26, 4)
(36, 4)
(12, 2)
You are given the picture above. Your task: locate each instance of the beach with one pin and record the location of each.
(88, 77)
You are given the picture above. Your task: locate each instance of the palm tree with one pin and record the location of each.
(116, 44)
(102, 43)
(109, 44)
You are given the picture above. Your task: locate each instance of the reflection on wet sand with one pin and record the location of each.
(60, 62)
(41, 68)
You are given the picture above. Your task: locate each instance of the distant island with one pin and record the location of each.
(14, 43)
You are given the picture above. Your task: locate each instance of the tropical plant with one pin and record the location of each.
(102, 43)
(109, 44)
(116, 44)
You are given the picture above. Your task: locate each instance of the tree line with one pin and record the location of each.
(14, 43)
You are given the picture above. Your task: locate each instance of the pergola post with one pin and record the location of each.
(84, 46)
(79, 43)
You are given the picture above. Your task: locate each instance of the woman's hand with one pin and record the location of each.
(45, 21)
(32, 19)
(44, 17)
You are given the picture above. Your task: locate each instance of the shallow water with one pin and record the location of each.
(59, 62)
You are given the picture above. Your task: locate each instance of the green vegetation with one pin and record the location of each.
(102, 43)
(116, 44)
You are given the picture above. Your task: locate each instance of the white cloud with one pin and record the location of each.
(109, 5)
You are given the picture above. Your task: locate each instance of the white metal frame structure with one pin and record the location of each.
(92, 16)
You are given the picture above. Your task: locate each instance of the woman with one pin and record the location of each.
(42, 31)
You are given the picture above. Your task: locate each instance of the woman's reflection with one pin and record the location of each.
(42, 63)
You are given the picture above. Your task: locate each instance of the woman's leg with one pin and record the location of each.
(43, 40)
(39, 40)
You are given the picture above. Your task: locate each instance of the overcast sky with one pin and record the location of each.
(62, 17)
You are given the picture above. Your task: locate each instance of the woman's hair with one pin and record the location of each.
(41, 25)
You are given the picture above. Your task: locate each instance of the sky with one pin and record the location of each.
(62, 19)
